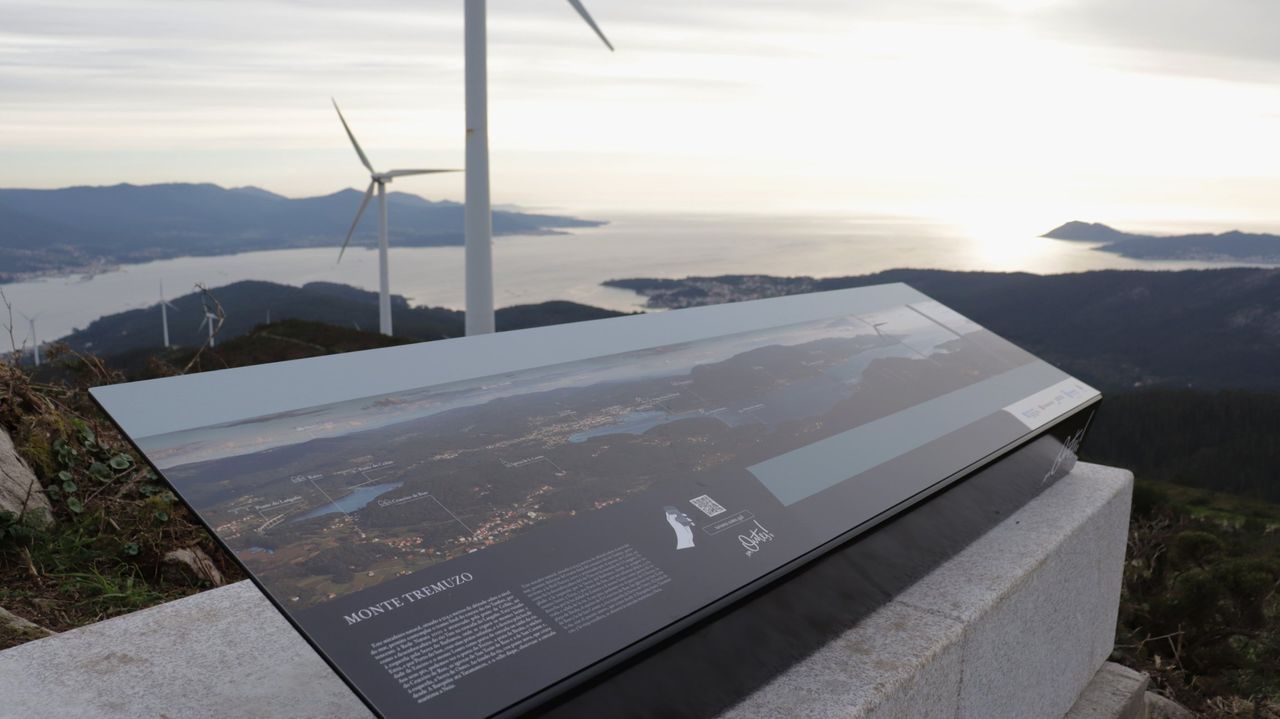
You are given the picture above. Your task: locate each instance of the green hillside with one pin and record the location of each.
(248, 304)
(1225, 440)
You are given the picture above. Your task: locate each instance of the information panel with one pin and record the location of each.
(464, 528)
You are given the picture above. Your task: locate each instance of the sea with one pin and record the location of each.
(531, 269)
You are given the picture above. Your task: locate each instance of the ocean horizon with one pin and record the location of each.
(571, 266)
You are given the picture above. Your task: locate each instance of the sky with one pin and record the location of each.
(992, 113)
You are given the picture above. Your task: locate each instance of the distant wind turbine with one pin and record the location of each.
(35, 342)
(165, 306)
(479, 211)
(380, 180)
(209, 319)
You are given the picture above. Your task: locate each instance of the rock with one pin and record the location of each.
(1116, 692)
(199, 563)
(24, 628)
(1159, 707)
(20, 491)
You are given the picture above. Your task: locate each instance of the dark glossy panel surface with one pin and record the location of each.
(545, 504)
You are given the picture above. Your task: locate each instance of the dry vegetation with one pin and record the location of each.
(114, 521)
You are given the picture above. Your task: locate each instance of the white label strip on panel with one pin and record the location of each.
(1042, 407)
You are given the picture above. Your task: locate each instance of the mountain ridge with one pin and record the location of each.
(90, 227)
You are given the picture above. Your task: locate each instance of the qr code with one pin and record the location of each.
(709, 506)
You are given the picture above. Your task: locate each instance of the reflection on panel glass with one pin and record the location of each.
(324, 501)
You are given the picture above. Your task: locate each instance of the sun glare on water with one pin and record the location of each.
(1004, 242)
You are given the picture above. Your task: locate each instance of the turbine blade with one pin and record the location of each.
(406, 173)
(587, 16)
(364, 160)
(170, 305)
(203, 322)
(368, 195)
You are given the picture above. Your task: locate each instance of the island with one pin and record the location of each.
(1232, 246)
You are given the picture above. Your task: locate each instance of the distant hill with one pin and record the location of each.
(1116, 329)
(1086, 232)
(252, 303)
(1231, 246)
(75, 228)
(277, 341)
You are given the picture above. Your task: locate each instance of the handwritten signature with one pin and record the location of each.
(752, 540)
(1066, 458)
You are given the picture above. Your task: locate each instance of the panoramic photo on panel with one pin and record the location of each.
(331, 499)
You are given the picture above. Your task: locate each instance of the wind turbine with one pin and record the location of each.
(380, 180)
(479, 212)
(209, 319)
(165, 306)
(35, 343)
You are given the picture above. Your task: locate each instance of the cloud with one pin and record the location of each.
(758, 103)
(1234, 40)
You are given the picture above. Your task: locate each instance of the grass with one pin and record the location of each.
(1220, 507)
(113, 521)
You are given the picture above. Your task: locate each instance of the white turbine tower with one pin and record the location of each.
(35, 342)
(380, 180)
(479, 214)
(209, 319)
(165, 306)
